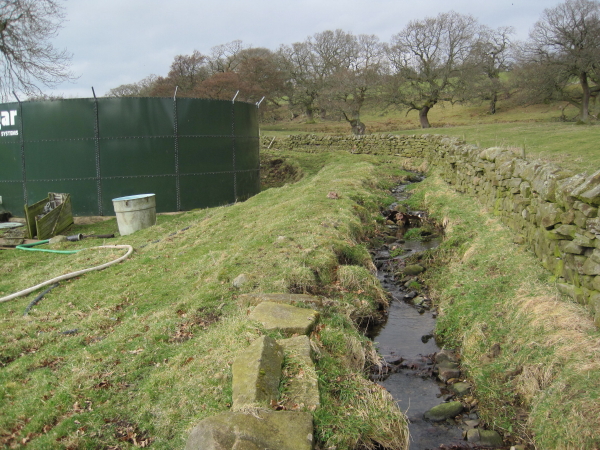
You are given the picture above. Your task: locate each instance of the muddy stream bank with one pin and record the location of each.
(425, 380)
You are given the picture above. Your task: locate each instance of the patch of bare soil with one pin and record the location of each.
(276, 171)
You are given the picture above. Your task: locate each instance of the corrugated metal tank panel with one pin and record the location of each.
(192, 153)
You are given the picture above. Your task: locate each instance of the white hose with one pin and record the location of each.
(73, 274)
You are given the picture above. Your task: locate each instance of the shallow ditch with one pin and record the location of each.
(418, 374)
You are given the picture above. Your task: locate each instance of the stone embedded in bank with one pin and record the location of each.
(288, 319)
(281, 430)
(254, 299)
(302, 390)
(256, 374)
(485, 438)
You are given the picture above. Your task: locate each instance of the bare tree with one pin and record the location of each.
(142, 88)
(305, 79)
(254, 75)
(188, 71)
(492, 53)
(564, 45)
(333, 71)
(260, 71)
(354, 78)
(220, 86)
(225, 57)
(430, 59)
(28, 59)
(334, 49)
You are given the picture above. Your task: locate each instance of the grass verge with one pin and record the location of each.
(533, 357)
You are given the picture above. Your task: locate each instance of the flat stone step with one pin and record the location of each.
(288, 319)
(302, 391)
(281, 430)
(256, 374)
(290, 299)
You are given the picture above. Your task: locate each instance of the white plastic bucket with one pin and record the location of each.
(135, 212)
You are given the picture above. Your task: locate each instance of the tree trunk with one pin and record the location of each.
(358, 128)
(493, 101)
(423, 116)
(309, 114)
(585, 101)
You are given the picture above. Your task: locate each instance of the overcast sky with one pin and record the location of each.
(114, 42)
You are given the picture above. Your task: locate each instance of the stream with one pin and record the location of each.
(406, 341)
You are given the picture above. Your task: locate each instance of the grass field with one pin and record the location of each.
(536, 129)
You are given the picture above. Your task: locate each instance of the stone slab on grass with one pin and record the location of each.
(288, 319)
(302, 390)
(281, 430)
(299, 346)
(290, 299)
(256, 374)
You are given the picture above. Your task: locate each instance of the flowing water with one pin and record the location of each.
(406, 343)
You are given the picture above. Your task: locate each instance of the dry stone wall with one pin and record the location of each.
(384, 144)
(552, 210)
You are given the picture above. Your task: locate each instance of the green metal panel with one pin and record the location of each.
(58, 119)
(205, 154)
(83, 194)
(12, 196)
(143, 156)
(248, 184)
(203, 117)
(163, 186)
(203, 191)
(131, 117)
(11, 166)
(60, 159)
(246, 119)
(189, 152)
(247, 153)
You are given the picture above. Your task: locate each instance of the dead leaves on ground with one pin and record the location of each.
(185, 330)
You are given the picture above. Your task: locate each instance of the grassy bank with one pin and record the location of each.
(533, 357)
(137, 354)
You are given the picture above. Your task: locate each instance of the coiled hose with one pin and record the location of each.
(68, 275)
